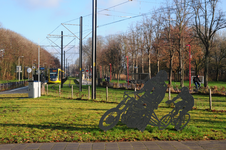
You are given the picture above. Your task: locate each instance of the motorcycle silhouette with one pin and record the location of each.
(123, 110)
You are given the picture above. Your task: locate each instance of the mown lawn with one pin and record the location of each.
(219, 84)
(116, 95)
(55, 119)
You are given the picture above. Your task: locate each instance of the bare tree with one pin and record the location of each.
(147, 36)
(183, 16)
(207, 21)
(218, 55)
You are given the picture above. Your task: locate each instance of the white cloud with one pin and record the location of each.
(39, 3)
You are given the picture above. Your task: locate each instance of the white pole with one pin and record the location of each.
(38, 70)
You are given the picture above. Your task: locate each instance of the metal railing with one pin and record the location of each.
(12, 85)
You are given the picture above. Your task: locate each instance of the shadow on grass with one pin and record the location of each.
(210, 122)
(57, 126)
(13, 97)
(75, 127)
(53, 108)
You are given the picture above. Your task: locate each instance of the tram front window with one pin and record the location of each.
(53, 75)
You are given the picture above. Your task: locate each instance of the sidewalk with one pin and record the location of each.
(143, 145)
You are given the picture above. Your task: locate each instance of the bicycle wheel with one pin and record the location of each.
(182, 122)
(164, 122)
(109, 119)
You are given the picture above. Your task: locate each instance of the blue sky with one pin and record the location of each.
(35, 19)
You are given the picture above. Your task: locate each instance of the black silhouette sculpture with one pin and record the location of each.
(139, 113)
(184, 117)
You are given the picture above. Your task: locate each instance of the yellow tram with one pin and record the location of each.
(54, 75)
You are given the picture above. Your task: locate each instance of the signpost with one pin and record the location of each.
(29, 71)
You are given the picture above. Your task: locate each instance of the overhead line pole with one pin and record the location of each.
(80, 57)
(66, 69)
(62, 58)
(64, 64)
(94, 27)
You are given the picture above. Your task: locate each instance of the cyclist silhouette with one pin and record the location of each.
(186, 105)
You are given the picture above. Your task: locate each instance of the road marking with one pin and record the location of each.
(17, 89)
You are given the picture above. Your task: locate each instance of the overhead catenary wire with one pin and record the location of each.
(107, 9)
(121, 20)
(90, 14)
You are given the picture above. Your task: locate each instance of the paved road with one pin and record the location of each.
(145, 145)
(17, 90)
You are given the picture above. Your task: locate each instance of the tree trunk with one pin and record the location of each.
(133, 65)
(149, 63)
(142, 61)
(181, 63)
(181, 71)
(206, 69)
(171, 69)
(137, 64)
(217, 73)
(158, 65)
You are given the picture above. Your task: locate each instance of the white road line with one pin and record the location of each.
(17, 89)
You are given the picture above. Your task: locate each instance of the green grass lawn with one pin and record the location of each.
(61, 119)
(219, 84)
(116, 95)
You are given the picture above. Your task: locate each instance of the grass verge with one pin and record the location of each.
(55, 119)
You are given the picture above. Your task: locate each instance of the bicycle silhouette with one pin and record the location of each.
(184, 117)
(179, 123)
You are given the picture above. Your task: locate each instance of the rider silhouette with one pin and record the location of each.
(140, 113)
(186, 104)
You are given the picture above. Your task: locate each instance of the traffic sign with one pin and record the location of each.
(29, 70)
(33, 67)
(18, 68)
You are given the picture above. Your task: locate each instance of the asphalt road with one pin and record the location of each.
(17, 90)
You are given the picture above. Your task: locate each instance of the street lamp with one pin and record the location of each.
(189, 66)
(110, 71)
(127, 69)
(19, 65)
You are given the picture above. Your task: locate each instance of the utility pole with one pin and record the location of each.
(61, 58)
(94, 27)
(64, 64)
(80, 57)
(66, 67)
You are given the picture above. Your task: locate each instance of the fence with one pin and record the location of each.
(12, 85)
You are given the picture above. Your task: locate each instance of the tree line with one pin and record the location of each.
(17, 50)
(160, 42)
